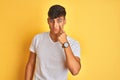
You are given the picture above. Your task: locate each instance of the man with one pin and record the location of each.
(53, 53)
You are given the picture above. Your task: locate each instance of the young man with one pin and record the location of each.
(53, 53)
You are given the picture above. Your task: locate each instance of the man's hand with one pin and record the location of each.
(62, 37)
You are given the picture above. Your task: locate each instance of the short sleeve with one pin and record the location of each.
(76, 48)
(32, 47)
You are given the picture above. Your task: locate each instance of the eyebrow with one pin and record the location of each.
(55, 18)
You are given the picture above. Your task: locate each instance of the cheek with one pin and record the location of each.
(50, 26)
(61, 25)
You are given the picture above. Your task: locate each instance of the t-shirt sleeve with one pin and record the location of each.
(32, 47)
(76, 48)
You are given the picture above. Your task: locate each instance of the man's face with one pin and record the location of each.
(56, 24)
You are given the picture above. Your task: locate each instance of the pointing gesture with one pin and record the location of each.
(62, 38)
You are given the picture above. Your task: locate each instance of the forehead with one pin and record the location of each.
(61, 17)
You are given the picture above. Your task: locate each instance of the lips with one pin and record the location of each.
(55, 29)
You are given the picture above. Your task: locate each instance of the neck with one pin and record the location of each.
(54, 37)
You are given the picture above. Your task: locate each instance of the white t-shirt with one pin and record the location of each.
(51, 59)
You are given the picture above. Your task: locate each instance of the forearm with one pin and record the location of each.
(72, 63)
(29, 72)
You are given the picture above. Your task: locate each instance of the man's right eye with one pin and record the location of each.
(51, 20)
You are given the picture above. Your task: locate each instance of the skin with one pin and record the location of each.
(57, 33)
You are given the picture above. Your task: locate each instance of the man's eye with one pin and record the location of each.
(59, 21)
(51, 20)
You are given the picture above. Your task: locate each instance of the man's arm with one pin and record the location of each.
(30, 66)
(73, 62)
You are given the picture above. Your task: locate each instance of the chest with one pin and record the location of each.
(49, 53)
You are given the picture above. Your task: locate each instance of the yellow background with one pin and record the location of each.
(94, 23)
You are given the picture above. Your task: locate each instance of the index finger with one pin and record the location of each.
(61, 29)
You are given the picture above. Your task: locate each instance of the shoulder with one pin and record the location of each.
(40, 35)
(75, 46)
(38, 38)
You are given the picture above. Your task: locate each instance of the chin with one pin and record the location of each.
(55, 32)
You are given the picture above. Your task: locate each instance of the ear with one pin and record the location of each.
(48, 20)
(64, 21)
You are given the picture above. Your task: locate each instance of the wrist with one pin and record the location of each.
(65, 44)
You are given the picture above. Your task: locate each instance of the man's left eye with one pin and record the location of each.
(59, 20)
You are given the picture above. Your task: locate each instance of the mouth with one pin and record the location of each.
(56, 31)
